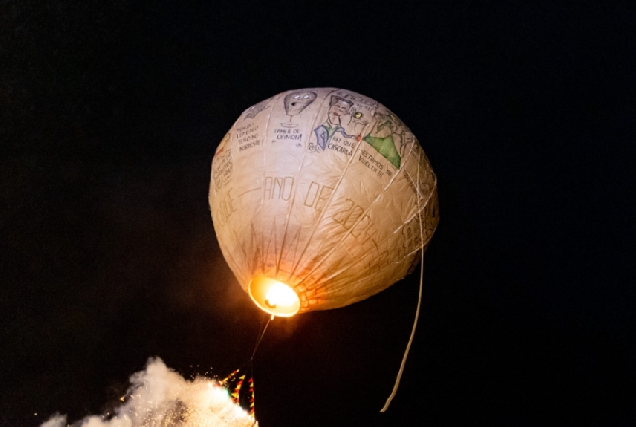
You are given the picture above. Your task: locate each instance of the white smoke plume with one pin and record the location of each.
(159, 397)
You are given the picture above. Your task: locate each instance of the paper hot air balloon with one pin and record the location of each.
(320, 198)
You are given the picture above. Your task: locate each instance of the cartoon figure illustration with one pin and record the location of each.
(338, 107)
(381, 137)
(357, 121)
(253, 111)
(295, 103)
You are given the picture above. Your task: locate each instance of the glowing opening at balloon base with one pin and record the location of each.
(274, 297)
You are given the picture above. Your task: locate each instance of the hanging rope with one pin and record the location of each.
(419, 303)
(258, 341)
(408, 346)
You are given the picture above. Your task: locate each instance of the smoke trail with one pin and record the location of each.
(159, 397)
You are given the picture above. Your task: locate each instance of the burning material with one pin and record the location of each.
(159, 397)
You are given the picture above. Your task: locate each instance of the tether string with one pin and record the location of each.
(417, 310)
(258, 341)
(408, 346)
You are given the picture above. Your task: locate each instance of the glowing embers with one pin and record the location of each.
(274, 297)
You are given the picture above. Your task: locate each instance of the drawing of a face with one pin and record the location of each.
(338, 107)
(296, 102)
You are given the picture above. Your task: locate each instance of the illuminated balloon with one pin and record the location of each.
(320, 198)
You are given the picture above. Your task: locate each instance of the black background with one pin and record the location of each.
(110, 112)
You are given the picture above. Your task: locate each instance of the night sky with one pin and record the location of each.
(110, 113)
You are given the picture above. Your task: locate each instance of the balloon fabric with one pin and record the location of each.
(320, 198)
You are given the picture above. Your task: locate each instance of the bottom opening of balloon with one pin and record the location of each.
(274, 297)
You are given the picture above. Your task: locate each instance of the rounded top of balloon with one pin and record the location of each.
(320, 198)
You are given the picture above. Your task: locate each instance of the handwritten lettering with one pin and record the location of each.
(290, 134)
(370, 162)
(278, 187)
(250, 145)
(317, 195)
(226, 206)
(222, 168)
(352, 217)
(293, 137)
(339, 149)
(349, 214)
(247, 136)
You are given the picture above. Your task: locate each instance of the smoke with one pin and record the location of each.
(160, 397)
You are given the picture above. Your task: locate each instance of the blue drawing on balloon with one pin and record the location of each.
(338, 107)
